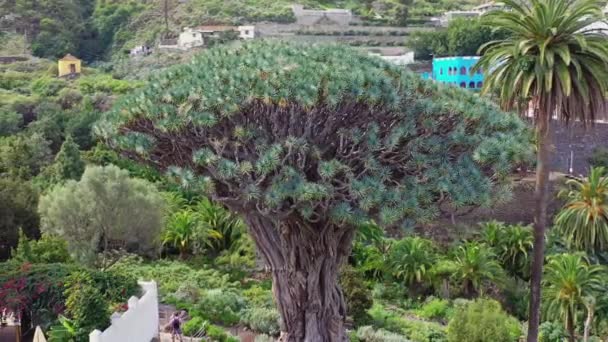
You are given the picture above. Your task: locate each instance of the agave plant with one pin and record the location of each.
(583, 221)
(569, 279)
(475, 268)
(410, 260)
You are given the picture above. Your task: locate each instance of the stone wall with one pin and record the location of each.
(577, 143)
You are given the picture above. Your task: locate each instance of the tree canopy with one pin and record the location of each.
(319, 132)
(307, 143)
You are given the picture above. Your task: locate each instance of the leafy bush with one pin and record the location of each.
(194, 326)
(48, 86)
(368, 334)
(170, 275)
(258, 296)
(264, 338)
(106, 84)
(483, 320)
(434, 309)
(216, 333)
(10, 122)
(358, 296)
(552, 332)
(85, 305)
(417, 331)
(262, 320)
(222, 306)
(49, 249)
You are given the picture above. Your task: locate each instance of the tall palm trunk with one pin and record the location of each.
(541, 197)
(570, 326)
(590, 313)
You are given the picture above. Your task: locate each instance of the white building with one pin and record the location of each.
(395, 56)
(246, 32)
(451, 15)
(140, 50)
(190, 38)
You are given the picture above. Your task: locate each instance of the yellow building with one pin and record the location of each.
(69, 65)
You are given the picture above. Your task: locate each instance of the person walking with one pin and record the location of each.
(176, 326)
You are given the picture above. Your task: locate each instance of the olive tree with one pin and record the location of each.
(308, 143)
(106, 209)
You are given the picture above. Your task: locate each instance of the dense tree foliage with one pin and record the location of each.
(18, 202)
(308, 143)
(462, 37)
(105, 210)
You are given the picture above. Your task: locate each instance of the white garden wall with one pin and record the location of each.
(138, 324)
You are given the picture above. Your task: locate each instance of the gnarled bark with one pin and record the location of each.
(304, 261)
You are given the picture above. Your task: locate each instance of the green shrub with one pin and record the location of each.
(358, 297)
(222, 306)
(483, 320)
(264, 338)
(552, 332)
(85, 305)
(258, 296)
(48, 86)
(368, 334)
(194, 326)
(417, 331)
(48, 249)
(599, 157)
(434, 309)
(216, 333)
(263, 320)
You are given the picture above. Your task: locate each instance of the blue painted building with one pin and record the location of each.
(456, 71)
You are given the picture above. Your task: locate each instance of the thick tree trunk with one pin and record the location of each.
(541, 196)
(304, 261)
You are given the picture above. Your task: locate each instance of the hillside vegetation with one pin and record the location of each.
(106, 29)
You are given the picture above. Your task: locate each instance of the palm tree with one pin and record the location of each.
(569, 280)
(410, 260)
(475, 267)
(554, 64)
(511, 243)
(185, 231)
(583, 220)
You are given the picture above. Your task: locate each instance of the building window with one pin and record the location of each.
(471, 85)
(463, 84)
(449, 70)
(194, 35)
(463, 71)
(246, 32)
(440, 71)
(479, 84)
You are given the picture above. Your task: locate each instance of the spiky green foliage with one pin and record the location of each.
(475, 268)
(186, 231)
(583, 221)
(569, 278)
(410, 260)
(317, 132)
(512, 245)
(550, 55)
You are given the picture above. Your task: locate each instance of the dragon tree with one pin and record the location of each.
(309, 142)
